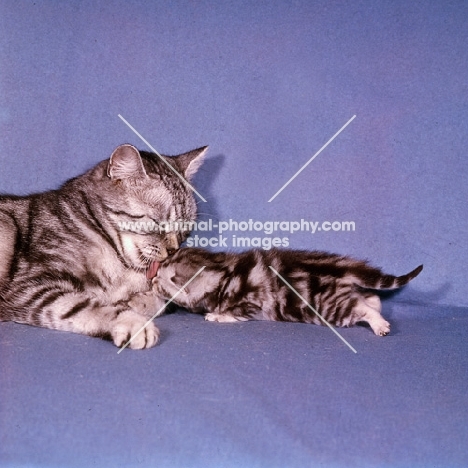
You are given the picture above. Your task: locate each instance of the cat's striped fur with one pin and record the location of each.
(242, 286)
(66, 264)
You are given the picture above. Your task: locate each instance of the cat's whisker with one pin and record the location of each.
(215, 218)
(146, 262)
(140, 269)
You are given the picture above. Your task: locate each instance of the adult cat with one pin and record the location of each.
(66, 264)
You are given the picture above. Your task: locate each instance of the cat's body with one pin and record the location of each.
(65, 262)
(236, 287)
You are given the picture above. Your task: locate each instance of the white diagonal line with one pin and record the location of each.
(182, 178)
(312, 158)
(159, 312)
(313, 310)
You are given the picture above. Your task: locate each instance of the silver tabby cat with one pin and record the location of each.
(236, 287)
(66, 264)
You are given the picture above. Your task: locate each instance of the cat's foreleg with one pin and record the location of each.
(78, 313)
(230, 311)
(118, 322)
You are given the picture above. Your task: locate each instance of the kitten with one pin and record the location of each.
(65, 262)
(236, 287)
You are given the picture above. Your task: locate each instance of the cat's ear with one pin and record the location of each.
(189, 163)
(125, 163)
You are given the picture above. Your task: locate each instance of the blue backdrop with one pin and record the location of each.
(266, 85)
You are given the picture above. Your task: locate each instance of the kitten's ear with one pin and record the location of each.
(125, 163)
(189, 163)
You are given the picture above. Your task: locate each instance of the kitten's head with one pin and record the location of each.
(150, 202)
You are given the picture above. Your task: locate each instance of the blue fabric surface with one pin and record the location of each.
(266, 84)
(254, 394)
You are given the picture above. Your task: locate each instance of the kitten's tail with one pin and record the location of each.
(383, 281)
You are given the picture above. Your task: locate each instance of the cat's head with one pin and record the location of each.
(150, 201)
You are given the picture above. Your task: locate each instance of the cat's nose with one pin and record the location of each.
(172, 244)
(171, 251)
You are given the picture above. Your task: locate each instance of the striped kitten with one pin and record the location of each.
(236, 287)
(66, 264)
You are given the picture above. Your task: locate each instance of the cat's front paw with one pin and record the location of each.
(132, 328)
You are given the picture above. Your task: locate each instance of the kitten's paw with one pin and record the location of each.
(382, 329)
(221, 318)
(132, 327)
(147, 304)
(138, 303)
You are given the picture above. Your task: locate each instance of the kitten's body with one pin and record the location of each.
(66, 264)
(236, 287)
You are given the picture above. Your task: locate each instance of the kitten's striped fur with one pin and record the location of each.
(236, 287)
(64, 262)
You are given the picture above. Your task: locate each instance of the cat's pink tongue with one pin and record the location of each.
(152, 270)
